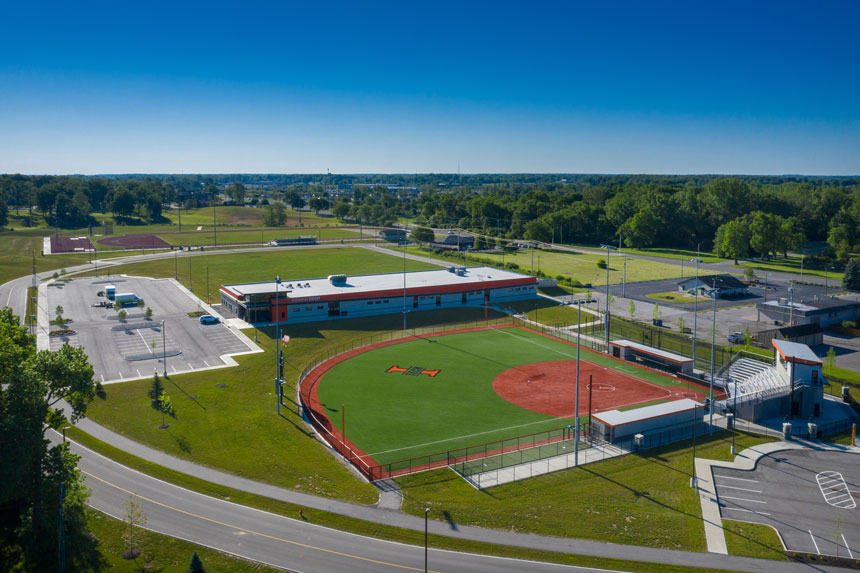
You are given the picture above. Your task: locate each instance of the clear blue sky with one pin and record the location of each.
(359, 87)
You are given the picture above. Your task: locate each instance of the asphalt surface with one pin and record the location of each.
(134, 349)
(808, 496)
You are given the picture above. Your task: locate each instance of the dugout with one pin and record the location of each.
(619, 425)
(651, 357)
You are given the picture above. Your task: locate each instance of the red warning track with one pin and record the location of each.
(549, 388)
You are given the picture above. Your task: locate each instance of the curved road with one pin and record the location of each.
(297, 545)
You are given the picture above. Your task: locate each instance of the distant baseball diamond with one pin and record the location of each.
(714, 286)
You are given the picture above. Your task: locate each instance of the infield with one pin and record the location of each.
(429, 394)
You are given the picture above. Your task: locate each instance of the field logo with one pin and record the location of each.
(412, 371)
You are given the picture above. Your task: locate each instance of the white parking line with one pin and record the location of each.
(207, 364)
(746, 510)
(851, 555)
(740, 488)
(138, 371)
(741, 499)
(739, 479)
(189, 366)
(174, 368)
(813, 541)
(835, 490)
(120, 376)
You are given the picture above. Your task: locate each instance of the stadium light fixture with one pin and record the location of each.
(696, 302)
(606, 318)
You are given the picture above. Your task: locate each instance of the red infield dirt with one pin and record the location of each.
(70, 244)
(549, 387)
(136, 241)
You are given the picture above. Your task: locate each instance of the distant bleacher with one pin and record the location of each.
(746, 378)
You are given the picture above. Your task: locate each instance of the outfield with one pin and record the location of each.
(429, 394)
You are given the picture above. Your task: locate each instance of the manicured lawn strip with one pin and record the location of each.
(256, 236)
(358, 526)
(677, 254)
(264, 266)
(158, 552)
(17, 257)
(580, 267)
(753, 540)
(841, 374)
(236, 428)
(32, 294)
(792, 265)
(676, 297)
(393, 417)
(550, 313)
(640, 499)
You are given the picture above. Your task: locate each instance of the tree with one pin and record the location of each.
(4, 213)
(733, 240)
(122, 314)
(117, 305)
(153, 206)
(135, 519)
(318, 204)
(656, 313)
(831, 359)
(631, 309)
(59, 313)
(764, 233)
(480, 245)
(747, 337)
(680, 323)
(196, 565)
(148, 313)
(156, 389)
(749, 274)
(274, 215)
(341, 209)
(851, 279)
(32, 470)
(641, 229)
(237, 191)
(123, 203)
(422, 235)
(140, 303)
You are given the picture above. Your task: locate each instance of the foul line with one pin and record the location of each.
(252, 532)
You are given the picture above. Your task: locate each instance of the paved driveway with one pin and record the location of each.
(809, 496)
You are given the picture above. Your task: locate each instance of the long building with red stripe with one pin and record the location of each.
(341, 296)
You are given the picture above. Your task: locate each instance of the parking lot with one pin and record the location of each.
(809, 496)
(139, 346)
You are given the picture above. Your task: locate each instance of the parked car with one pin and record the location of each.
(736, 338)
(209, 319)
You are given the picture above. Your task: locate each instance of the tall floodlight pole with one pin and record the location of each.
(404, 284)
(214, 224)
(624, 278)
(277, 340)
(696, 304)
(164, 348)
(608, 248)
(713, 348)
(426, 511)
(576, 402)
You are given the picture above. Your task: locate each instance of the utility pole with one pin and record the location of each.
(277, 341)
(208, 296)
(175, 265)
(608, 248)
(164, 348)
(576, 401)
(214, 223)
(404, 285)
(696, 304)
(713, 348)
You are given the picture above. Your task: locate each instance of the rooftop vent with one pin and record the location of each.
(783, 302)
(336, 279)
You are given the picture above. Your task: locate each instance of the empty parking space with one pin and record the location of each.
(134, 348)
(809, 496)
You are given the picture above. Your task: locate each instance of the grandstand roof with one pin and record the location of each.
(652, 351)
(620, 417)
(717, 281)
(796, 352)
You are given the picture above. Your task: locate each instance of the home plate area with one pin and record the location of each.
(549, 388)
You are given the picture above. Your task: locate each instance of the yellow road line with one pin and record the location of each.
(303, 545)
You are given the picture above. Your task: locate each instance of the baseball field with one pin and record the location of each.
(414, 397)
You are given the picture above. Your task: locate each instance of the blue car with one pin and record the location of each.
(209, 319)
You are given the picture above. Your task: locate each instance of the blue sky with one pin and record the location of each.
(597, 87)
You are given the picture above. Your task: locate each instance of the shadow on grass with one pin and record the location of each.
(191, 397)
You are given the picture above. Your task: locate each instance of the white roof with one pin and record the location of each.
(796, 350)
(300, 288)
(619, 418)
(650, 350)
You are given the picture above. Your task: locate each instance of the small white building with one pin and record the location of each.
(714, 286)
(823, 311)
(617, 425)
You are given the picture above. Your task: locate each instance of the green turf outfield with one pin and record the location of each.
(394, 416)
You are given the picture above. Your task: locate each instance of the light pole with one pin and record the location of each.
(404, 284)
(164, 348)
(713, 348)
(214, 224)
(608, 248)
(576, 402)
(426, 511)
(624, 278)
(277, 340)
(696, 303)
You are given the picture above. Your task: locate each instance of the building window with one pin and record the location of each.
(320, 307)
(378, 302)
(309, 308)
(386, 300)
(370, 302)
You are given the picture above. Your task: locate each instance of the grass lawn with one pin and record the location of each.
(580, 267)
(262, 266)
(753, 540)
(392, 416)
(158, 552)
(678, 254)
(641, 499)
(547, 312)
(676, 297)
(792, 265)
(236, 428)
(335, 521)
(842, 374)
(256, 236)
